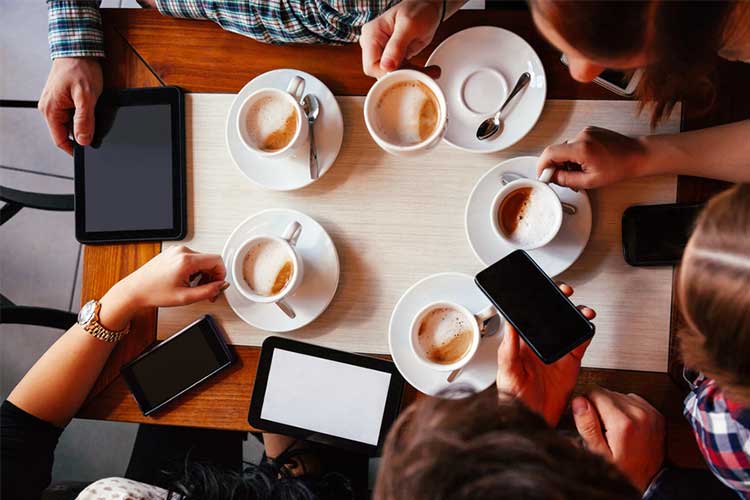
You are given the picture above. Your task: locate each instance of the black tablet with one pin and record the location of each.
(130, 183)
(325, 395)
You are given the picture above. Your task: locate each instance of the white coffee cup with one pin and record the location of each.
(552, 219)
(376, 92)
(474, 321)
(287, 241)
(292, 95)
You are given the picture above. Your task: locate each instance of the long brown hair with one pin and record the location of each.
(681, 39)
(483, 447)
(714, 293)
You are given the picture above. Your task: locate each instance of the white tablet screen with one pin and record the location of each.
(325, 396)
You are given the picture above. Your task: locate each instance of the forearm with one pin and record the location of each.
(57, 385)
(721, 152)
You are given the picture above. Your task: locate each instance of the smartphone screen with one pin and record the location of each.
(617, 78)
(177, 364)
(656, 235)
(530, 301)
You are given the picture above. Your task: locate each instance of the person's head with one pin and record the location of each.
(483, 447)
(675, 42)
(714, 293)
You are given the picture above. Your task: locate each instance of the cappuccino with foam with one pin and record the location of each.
(267, 267)
(526, 216)
(272, 122)
(407, 113)
(445, 335)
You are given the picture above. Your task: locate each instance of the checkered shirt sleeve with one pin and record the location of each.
(283, 21)
(75, 28)
(722, 430)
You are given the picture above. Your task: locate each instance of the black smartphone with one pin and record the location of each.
(530, 301)
(656, 235)
(178, 364)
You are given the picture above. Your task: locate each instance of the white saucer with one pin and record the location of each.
(321, 271)
(480, 66)
(292, 172)
(556, 256)
(479, 373)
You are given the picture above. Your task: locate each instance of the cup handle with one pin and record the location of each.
(286, 309)
(485, 314)
(292, 233)
(296, 88)
(546, 175)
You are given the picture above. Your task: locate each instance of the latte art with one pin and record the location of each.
(267, 268)
(445, 335)
(271, 122)
(525, 216)
(407, 113)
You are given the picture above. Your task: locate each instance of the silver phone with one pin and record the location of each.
(616, 81)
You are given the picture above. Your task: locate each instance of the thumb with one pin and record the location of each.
(202, 292)
(395, 50)
(83, 119)
(507, 353)
(589, 426)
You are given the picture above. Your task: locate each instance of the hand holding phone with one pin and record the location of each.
(544, 388)
(533, 304)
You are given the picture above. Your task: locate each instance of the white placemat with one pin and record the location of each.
(396, 220)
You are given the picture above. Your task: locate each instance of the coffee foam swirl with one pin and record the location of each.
(271, 122)
(525, 216)
(267, 267)
(406, 113)
(444, 335)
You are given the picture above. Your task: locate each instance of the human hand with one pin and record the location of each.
(543, 388)
(598, 157)
(633, 437)
(397, 35)
(165, 280)
(74, 84)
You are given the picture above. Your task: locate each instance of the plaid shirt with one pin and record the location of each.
(722, 429)
(75, 26)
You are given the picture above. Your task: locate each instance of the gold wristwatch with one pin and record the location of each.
(88, 318)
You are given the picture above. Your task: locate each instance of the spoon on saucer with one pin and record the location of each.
(512, 176)
(492, 125)
(489, 328)
(312, 108)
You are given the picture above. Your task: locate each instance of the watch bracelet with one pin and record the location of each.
(102, 333)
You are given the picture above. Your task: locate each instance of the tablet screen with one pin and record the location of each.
(129, 176)
(322, 395)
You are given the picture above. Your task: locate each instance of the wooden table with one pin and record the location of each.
(145, 49)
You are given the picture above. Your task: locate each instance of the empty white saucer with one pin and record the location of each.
(319, 283)
(480, 66)
(479, 373)
(556, 256)
(291, 172)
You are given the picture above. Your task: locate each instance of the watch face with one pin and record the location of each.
(87, 312)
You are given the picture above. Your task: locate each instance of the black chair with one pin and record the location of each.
(37, 316)
(15, 199)
(10, 313)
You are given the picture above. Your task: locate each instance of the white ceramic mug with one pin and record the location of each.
(555, 206)
(376, 92)
(293, 95)
(475, 321)
(288, 240)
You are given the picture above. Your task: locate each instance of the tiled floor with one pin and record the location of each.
(40, 260)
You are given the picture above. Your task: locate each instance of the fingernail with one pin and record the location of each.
(580, 406)
(224, 286)
(83, 138)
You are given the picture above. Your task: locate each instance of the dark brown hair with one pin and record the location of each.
(681, 39)
(483, 447)
(714, 293)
